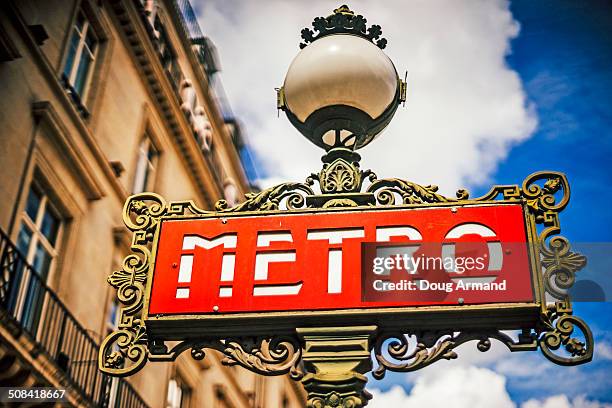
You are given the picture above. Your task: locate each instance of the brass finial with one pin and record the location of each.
(344, 9)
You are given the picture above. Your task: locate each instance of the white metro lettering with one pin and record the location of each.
(334, 258)
(263, 260)
(190, 242)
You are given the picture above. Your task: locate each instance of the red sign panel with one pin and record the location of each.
(342, 260)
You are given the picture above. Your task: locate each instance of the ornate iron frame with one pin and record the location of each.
(342, 186)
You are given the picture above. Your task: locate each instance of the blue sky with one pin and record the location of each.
(563, 55)
(496, 91)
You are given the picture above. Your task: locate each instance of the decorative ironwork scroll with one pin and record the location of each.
(394, 352)
(263, 355)
(344, 21)
(341, 183)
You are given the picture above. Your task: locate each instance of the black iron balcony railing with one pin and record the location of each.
(36, 311)
(202, 46)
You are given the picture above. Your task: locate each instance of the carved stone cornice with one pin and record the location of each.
(215, 115)
(147, 62)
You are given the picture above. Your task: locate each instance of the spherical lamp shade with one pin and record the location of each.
(341, 90)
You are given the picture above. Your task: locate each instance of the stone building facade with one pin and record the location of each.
(101, 99)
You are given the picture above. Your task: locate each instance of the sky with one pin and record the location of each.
(496, 91)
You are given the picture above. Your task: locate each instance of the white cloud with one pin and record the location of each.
(461, 387)
(468, 387)
(465, 107)
(468, 356)
(562, 401)
(603, 350)
(523, 368)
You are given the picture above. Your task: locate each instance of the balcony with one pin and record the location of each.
(34, 315)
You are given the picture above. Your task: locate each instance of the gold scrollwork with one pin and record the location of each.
(432, 346)
(273, 355)
(120, 346)
(545, 202)
(270, 199)
(265, 355)
(560, 266)
(410, 193)
(125, 350)
(546, 194)
(340, 176)
(559, 325)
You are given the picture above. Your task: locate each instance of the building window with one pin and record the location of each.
(82, 51)
(38, 235)
(179, 394)
(38, 242)
(145, 166)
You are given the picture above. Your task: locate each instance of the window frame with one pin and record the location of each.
(87, 29)
(146, 166)
(88, 103)
(42, 174)
(46, 204)
(35, 227)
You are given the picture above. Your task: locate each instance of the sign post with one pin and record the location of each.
(313, 282)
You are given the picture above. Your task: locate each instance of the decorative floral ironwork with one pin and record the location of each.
(271, 199)
(338, 177)
(560, 265)
(341, 173)
(558, 327)
(125, 351)
(265, 355)
(386, 190)
(545, 201)
(432, 346)
(273, 355)
(344, 21)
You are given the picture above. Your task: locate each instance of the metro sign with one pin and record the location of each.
(288, 262)
(293, 276)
